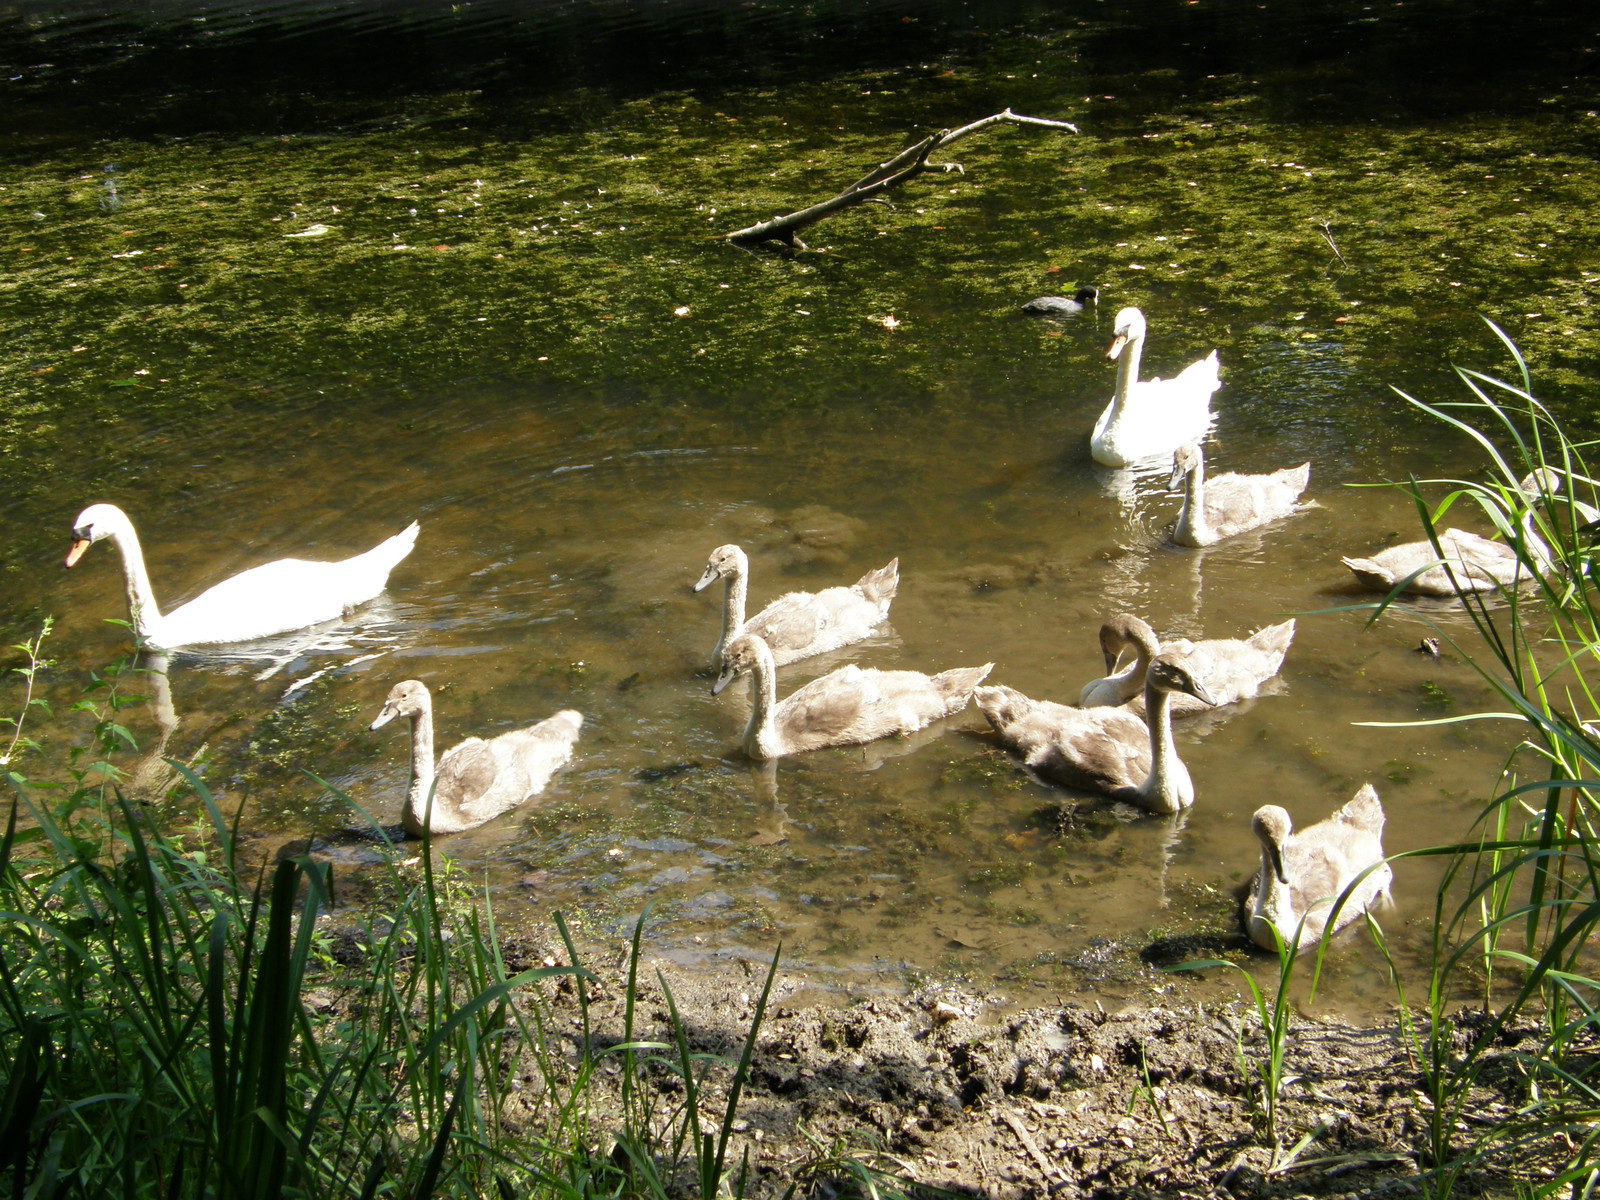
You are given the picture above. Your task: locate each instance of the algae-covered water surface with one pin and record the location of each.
(279, 282)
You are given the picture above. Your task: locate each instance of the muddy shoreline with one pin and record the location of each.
(946, 1087)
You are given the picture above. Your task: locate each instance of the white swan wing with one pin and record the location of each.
(1095, 748)
(1020, 722)
(853, 705)
(1478, 563)
(790, 625)
(1236, 503)
(829, 711)
(1158, 416)
(909, 700)
(480, 779)
(290, 593)
(1328, 857)
(800, 624)
(1234, 669)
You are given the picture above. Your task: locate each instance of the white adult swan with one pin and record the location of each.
(1151, 417)
(478, 779)
(1106, 750)
(850, 705)
(799, 624)
(1302, 874)
(1218, 508)
(1232, 669)
(272, 598)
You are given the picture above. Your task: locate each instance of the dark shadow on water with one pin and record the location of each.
(81, 71)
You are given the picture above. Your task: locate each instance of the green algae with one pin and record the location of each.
(240, 276)
(315, 283)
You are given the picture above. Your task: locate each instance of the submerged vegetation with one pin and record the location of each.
(581, 257)
(185, 1018)
(179, 1029)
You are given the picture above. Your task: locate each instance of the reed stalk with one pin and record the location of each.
(1520, 897)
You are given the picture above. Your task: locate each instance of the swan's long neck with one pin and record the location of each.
(1274, 898)
(1126, 682)
(1168, 789)
(733, 601)
(421, 760)
(142, 607)
(1127, 376)
(1192, 524)
(761, 734)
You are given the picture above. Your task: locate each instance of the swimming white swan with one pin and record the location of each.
(852, 704)
(799, 624)
(1218, 508)
(1303, 873)
(1104, 749)
(1151, 417)
(272, 598)
(478, 779)
(1232, 669)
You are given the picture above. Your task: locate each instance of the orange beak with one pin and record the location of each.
(79, 545)
(1116, 346)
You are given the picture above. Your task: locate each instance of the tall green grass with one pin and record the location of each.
(1520, 897)
(177, 1024)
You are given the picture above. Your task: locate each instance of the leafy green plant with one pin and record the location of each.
(1265, 1069)
(1520, 897)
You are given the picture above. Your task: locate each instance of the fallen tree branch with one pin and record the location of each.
(911, 161)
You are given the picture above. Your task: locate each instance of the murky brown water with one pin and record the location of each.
(554, 569)
(577, 452)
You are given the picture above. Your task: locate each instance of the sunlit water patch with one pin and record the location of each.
(488, 339)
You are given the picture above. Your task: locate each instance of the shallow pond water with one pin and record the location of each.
(518, 325)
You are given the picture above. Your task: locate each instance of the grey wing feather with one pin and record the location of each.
(468, 771)
(789, 622)
(826, 711)
(1105, 756)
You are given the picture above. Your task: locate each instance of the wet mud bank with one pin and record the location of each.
(944, 1087)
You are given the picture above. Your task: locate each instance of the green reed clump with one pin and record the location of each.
(175, 1028)
(1521, 893)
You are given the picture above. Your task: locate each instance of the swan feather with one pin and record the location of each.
(799, 624)
(1302, 874)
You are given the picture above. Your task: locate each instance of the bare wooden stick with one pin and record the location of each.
(911, 161)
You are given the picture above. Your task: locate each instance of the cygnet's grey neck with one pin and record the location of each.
(1163, 791)
(421, 755)
(761, 731)
(733, 602)
(1192, 524)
